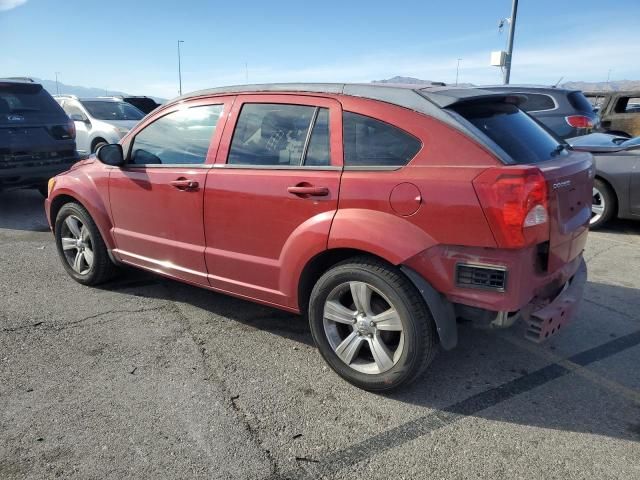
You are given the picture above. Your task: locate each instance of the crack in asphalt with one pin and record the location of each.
(66, 325)
(230, 399)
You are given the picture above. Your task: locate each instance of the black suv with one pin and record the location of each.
(37, 139)
(565, 112)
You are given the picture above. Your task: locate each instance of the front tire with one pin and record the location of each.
(371, 325)
(603, 204)
(81, 247)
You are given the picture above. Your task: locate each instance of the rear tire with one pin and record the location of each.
(81, 248)
(604, 204)
(43, 188)
(371, 325)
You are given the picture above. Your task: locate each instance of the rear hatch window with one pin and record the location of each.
(512, 130)
(25, 104)
(580, 102)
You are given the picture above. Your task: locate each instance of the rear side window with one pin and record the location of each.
(536, 102)
(181, 137)
(272, 134)
(512, 130)
(580, 102)
(373, 143)
(20, 103)
(628, 105)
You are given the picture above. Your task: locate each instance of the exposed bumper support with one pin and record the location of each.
(549, 319)
(441, 309)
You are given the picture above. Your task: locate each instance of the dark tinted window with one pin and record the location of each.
(21, 103)
(112, 110)
(275, 134)
(580, 102)
(181, 137)
(536, 102)
(512, 130)
(372, 143)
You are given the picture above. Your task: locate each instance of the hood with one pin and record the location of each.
(128, 124)
(598, 142)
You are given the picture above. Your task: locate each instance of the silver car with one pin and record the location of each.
(99, 121)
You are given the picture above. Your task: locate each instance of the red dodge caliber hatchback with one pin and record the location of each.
(383, 213)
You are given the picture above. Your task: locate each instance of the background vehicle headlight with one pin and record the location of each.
(122, 131)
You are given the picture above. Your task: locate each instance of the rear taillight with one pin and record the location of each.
(71, 128)
(579, 121)
(515, 202)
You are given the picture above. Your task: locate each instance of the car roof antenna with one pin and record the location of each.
(558, 82)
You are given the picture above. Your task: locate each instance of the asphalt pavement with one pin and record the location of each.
(149, 378)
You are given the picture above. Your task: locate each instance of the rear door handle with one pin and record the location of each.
(308, 191)
(184, 184)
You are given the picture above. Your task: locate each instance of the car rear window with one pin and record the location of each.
(536, 102)
(21, 103)
(522, 138)
(373, 143)
(580, 102)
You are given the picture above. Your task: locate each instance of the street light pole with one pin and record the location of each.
(57, 88)
(457, 71)
(512, 30)
(179, 68)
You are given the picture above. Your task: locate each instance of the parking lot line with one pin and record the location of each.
(421, 426)
(580, 370)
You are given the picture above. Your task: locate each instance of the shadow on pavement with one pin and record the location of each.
(588, 410)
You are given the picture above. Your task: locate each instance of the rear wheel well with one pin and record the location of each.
(318, 265)
(57, 204)
(97, 141)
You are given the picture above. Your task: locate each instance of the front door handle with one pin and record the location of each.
(306, 190)
(184, 184)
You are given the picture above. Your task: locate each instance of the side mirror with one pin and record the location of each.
(111, 155)
(77, 117)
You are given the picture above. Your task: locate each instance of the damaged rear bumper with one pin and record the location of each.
(546, 317)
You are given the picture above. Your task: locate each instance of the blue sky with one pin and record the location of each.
(131, 45)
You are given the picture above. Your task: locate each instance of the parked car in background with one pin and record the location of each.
(567, 113)
(384, 213)
(36, 136)
(99, 121)
(619, 112)
(144, 104)
(616, 191)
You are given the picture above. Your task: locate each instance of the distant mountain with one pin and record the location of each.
(604, 86)
(398, 80)
(64, 89)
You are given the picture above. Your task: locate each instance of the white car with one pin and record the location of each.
(99, 121)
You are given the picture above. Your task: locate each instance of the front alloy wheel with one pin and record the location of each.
(81, 248)
(77, 245)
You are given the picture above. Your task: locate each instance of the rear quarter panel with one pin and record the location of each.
(448, 210)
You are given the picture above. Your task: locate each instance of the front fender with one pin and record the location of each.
(91, 190)
(386, 235)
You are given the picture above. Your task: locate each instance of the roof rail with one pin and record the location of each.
(19, 79)
(65, 95)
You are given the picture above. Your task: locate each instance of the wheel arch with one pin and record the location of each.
(94, 207)
(441, 309)
(95, 141)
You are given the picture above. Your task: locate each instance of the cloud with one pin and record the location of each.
(10, 4)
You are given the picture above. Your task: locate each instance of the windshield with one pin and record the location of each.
(521, 137)
(104, 110)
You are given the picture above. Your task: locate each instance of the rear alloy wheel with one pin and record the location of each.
(603, 204)
(80, 246)
(371, 325)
